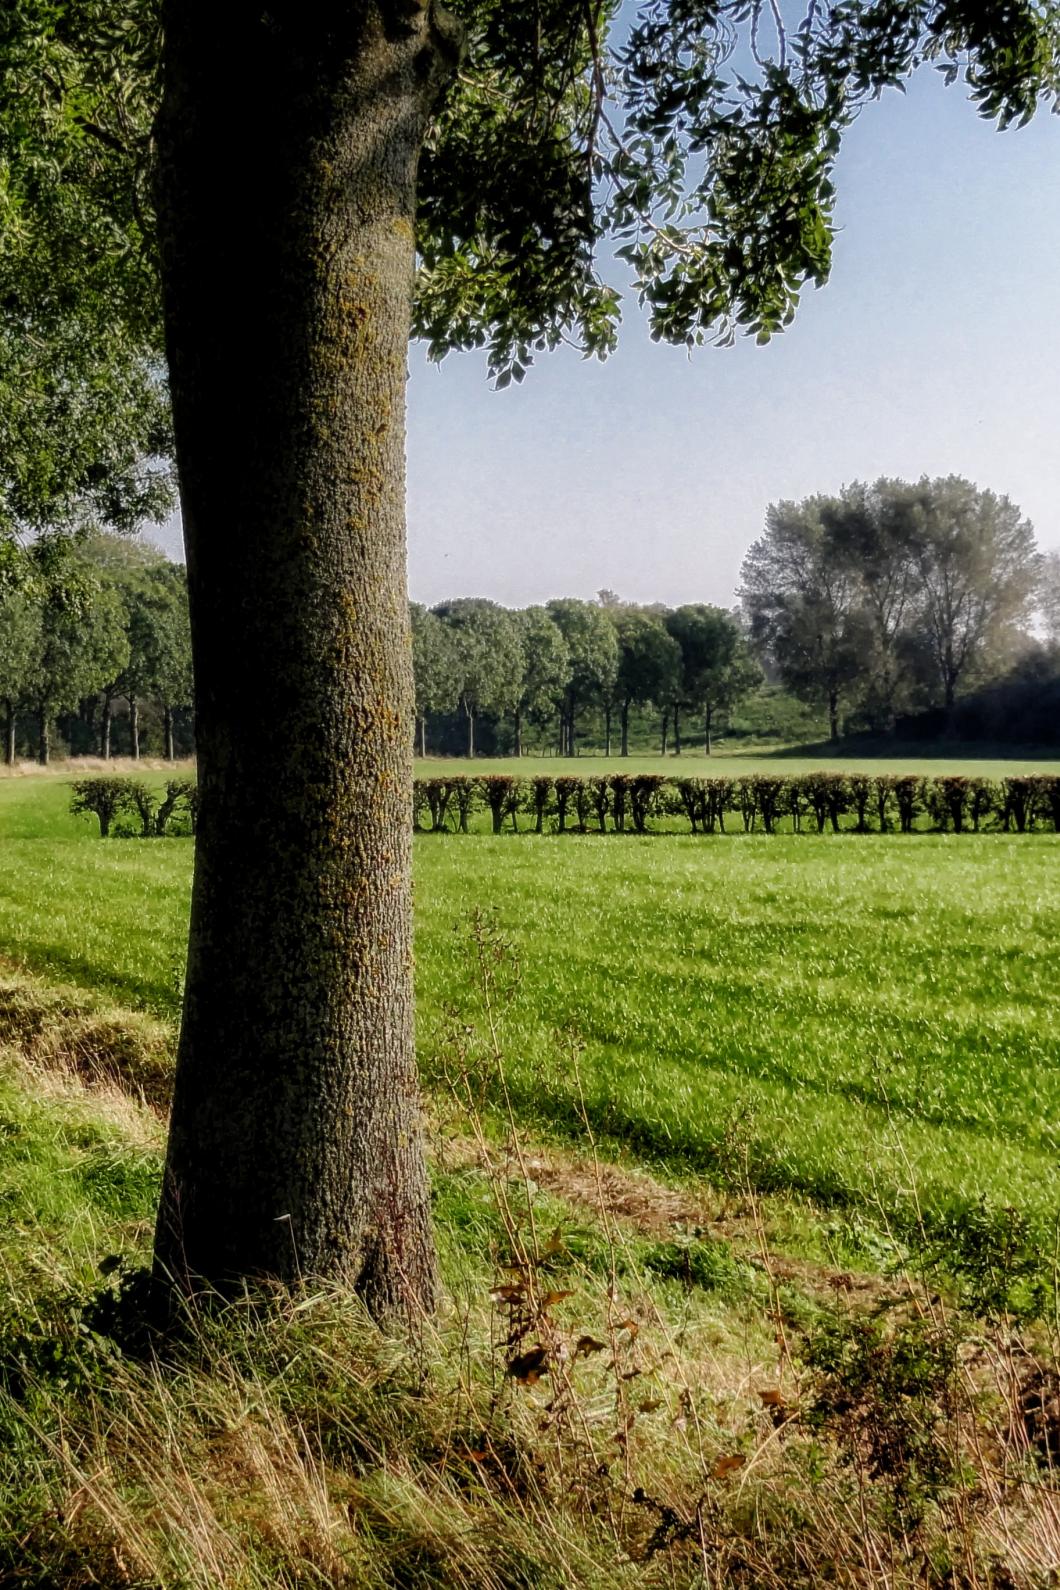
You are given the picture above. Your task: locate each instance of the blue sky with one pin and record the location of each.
(934, 349)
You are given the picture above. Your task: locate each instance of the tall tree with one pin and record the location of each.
(1049, 594)
(649, 662)
(977, 572)
(293, 1146)
(487, 655)
(435, 667)
(869, 534)
(592, 647)
(717, 668)
(20, 646)
(173, 674)
(805, 606)
(82, 644)
(545, 671)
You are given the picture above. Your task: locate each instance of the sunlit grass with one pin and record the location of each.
(850, 1014)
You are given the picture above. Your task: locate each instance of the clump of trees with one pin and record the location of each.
(103, 625)
(825, 802)
(546, 669)
(891, 597)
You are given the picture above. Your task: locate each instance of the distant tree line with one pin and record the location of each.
(885, 606)
(544, 670)
(91, 633)
(895, 598)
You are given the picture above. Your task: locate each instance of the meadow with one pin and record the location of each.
(788, 1107)
(870, 1021)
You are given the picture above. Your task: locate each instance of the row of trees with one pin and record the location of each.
(825, 800)
(892, 597)
(547, 666)
(102, 625)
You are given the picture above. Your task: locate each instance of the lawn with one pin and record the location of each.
(851, 1017)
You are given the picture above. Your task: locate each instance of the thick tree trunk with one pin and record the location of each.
(167, 732)
(10, 726)
(287, 148)
(518, 733)
(104, 727)
(625, 728)
(134, 727)
(833, 715)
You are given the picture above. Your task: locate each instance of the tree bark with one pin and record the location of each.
(708, 715)
(104, 727)
(287, 147)
(470, 732)
(665, 726)
(677, 730)
(134, 727)
(44, 738)
(607, 731)
(833, 715)
(423, 736)
(518, 733)
(167, 732)
(10, 727)
(625, 728)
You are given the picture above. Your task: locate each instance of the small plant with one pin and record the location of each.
(103, 797)
(143, 801)
(178, 791)
(565, 787)
(644, 791)
(501, 793)
(542, 789)
(465, 792)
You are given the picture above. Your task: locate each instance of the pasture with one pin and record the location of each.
(872, 1022)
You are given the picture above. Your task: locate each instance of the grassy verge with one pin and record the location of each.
(625, 1388)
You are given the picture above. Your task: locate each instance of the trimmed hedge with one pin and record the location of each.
(110, 798)
(825, 802)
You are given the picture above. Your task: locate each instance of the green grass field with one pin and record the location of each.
(925, 760)
(863, 1027)
(853, 1016)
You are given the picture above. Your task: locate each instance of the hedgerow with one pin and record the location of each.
(650, 802)
(109, 798)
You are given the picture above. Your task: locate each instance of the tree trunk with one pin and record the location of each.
(607, 731)
(10, 726)
(665, 726)
(677, 730)
(167, 732)
(423, 736)
(44, 738)
(287, 146)
(134, 727)
(470, 733)
(625, 728)
(518, 733)
(706, 732)
(104, 727)
(833, 714)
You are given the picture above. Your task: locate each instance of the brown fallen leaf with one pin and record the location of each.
(727, 1465)
(550, 1299)
(528, 1367)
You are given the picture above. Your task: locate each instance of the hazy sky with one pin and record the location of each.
(933, 350)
